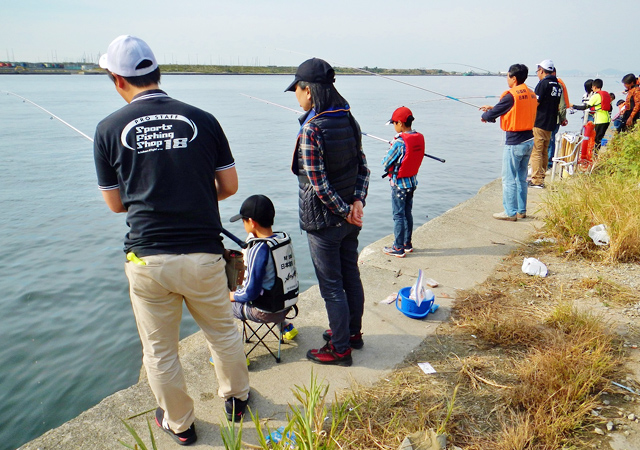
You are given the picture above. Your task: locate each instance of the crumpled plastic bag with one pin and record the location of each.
(599, 235)
(533, 266)
(418, 291)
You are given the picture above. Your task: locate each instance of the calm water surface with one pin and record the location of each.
(68, 335)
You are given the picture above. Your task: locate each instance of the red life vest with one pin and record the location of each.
(522, 115)
(605, 102)
(413, 154)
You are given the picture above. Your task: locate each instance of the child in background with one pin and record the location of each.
(401, 164)
(617, 119)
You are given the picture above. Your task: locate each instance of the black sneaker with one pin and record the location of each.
(235, 408)
(355, 340)
(187, 437)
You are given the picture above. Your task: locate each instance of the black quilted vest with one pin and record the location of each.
(341, 140)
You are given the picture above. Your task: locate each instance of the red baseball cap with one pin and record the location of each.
(400, 115)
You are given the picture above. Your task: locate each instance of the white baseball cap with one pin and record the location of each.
(124, 55)
(547, 64)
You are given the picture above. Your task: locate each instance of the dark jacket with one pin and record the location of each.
(341, 142)
(549, 93)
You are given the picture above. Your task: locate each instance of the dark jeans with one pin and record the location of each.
(601, 130)
(551, 150)
(401, 205)
(334, 252)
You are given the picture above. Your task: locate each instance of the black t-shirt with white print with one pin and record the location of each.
(162, 155)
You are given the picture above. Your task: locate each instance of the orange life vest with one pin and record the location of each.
(565, 93)
(413, 154)
(523, 114)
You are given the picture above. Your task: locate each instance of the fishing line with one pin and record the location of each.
(391, 79)
(53, 116)
(467, 65)
(361, 132)
(445, 99)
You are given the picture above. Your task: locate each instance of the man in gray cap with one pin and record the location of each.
(549, 93)
(174, 249)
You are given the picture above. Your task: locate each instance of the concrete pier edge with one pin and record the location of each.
(459, 249)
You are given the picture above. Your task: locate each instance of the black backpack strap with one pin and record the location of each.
(295, 309)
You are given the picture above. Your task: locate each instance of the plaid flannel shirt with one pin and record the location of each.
(312, 151)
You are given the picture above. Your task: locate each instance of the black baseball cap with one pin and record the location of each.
(257, 207)
(314, 70)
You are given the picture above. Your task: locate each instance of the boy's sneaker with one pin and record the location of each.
(328, 355)
(394, 251)
(289, 332)
(187, 437)
(408, 248)
(235, 408)
(355, 340)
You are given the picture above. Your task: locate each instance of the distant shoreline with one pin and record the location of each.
(185, 69)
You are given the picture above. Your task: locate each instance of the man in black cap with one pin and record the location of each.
(549, 93)
(333, 180)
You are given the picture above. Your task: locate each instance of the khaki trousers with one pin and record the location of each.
(157, 291)
(539, 156)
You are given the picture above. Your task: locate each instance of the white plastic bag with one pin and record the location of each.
(599, 235)
(532, 266)
(418, 292)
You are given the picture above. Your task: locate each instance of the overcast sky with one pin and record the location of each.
(586, 35)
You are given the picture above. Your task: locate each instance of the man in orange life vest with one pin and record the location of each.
(401, 164)
(517, 112)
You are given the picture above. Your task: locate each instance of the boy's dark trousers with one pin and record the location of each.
(600, 130)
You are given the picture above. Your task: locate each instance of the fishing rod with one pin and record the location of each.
(391, 79)
(362, 132)
(53, 116)
(274, 104)
(467, 65)
(234, 238)
(445, 99)
(227, 233)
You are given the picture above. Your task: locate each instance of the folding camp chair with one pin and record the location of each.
(257, 333)
(567, 154)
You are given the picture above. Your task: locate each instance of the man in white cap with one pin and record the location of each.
(167, 164)
(549, 93)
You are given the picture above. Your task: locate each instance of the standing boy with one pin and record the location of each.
(270, 286)
(401, 164)
(174, 249)
(600, 105)
(549, 93)
(517, 111)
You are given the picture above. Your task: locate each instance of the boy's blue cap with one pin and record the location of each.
(257, 207)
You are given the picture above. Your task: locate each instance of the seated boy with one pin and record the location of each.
(270, 286)
(617, 119)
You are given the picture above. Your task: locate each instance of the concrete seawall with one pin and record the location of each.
(459, 249)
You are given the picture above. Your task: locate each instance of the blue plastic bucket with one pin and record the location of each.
(409, 307)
